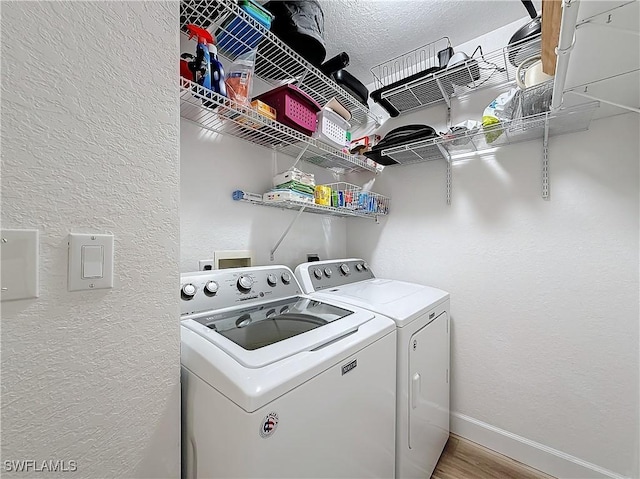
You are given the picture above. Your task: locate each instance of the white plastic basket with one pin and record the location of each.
(332, 128)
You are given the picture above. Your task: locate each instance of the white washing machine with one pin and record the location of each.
(421, 314)
(279, 384)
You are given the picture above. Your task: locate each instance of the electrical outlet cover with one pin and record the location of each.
(19, 264)
(206, 264)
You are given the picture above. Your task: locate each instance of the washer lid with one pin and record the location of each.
(269, 332)
(399, 300)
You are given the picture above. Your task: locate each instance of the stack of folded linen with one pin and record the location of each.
(292, 185)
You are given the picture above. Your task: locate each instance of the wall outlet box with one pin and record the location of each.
(206, 265)
(19, 264)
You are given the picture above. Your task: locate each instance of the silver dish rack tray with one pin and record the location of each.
(276, 63)
(415, 80)
(222, 115)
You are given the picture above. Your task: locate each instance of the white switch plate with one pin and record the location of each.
(83, 276)
(20, 264)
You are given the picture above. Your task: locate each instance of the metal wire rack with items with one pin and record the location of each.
(333, 199)
(237, 32)
(225, 116)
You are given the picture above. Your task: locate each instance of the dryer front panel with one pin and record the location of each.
(428, 397)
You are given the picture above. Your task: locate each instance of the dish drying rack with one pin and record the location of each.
(406, 83)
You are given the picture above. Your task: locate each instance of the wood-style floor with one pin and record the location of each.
(463, 459)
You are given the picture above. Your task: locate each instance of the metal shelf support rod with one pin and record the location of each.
(447, 156)
(591, 97)
(286, 232)
(299, 157)
(608, 25)
(563, 51)
(590, 20)
(545, 159)
(444, 93)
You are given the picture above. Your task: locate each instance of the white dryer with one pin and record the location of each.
(421, 314)
(278, 384)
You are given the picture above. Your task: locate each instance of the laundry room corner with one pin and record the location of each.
(544, 303)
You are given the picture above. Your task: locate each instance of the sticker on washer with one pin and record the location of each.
(269, 425)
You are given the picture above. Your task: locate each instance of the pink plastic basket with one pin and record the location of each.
(294, 107)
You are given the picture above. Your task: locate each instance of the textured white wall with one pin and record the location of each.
(90, 144)
(212, 167)
(544, 294)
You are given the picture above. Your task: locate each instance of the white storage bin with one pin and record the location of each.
(332, 128)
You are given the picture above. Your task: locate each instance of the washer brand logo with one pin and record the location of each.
(349, 367)
(269, 425)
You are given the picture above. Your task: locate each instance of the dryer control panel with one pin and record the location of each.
(319, 275)
(218, 289)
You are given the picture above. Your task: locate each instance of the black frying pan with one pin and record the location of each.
(516, 48)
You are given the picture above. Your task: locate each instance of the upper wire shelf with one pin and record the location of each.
(528, 128)
(223, 115)
(416, 80)
(276, 63)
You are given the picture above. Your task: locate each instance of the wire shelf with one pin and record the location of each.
(415, 80)
(222, 115)
(276, 63)
(528, 128)
(319, 209)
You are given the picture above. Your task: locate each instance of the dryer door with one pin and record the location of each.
(429, 390)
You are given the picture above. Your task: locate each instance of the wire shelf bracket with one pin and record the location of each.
(286, 232)
(545, 160)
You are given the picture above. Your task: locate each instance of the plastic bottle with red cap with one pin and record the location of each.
(206, 68)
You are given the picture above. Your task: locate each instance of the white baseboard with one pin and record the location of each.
(531, 453)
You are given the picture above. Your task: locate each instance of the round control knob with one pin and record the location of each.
(245, 283)
(211, 287)
(272, 280)
(365, 266)
(328, 272)
(359, 267)
(286, 278)
(344, 269)
(188, 291)
(317, 273)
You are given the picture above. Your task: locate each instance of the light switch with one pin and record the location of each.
(90, 261)
(19, 264)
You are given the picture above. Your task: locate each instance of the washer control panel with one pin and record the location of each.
(223, 288)
(319, 275)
